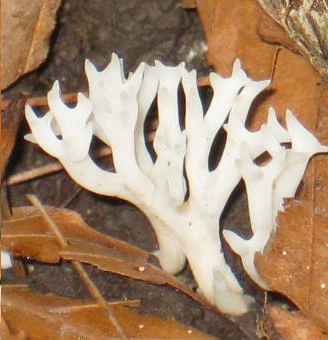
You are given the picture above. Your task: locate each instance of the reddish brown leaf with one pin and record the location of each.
(43, 101)
(51, 317)
(231, 29)
(295, 261)
(10, 120)
(27, 234)
(6, 334)
(25, 30)
(293, 325)
(319, 165)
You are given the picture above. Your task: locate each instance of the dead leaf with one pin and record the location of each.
(10, 120)
(228, 40)
(295, 261)
(6, 334)
(52, 317)
(27, 234)
(319, 165)
(292, 325)
(231, 30)
(25, 30)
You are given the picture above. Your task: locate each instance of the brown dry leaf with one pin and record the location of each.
(295, 261)
(292, 325)
(52, 317)
(231, 29)
(27, 234)
(25, 30)
(6, 334)
(10, 120)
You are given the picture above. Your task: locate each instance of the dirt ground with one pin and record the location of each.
(137, 31)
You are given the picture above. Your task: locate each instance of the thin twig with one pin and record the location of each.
(95, 293)
(47, 169)
(203, 81)
(34, 173)
(76, 192)
(34, 200)
(67, 309)
(42, 101)
(56, 166)
(274, 65)
(72, 97)
(92, 288)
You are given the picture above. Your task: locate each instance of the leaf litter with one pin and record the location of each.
(298, 252)
(25, 32)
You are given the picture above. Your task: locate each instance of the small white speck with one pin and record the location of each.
(307, 267)
(284, 252)
(323, 285)
(198, 49)
(141, 326)
(6, 261)
(30, 268)
(142, 269)
(190, 331)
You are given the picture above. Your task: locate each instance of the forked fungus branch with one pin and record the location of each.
(182, 198)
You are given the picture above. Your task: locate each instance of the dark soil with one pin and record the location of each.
(137, 31)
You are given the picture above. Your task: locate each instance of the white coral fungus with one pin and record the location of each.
(182, 198)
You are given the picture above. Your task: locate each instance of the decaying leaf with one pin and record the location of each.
(25, 30)
(227, 40)
(295, 261)
(10, 120)
(6, 334)
(51, 317)
(27, 234)
(306, 23)
(292, 325)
